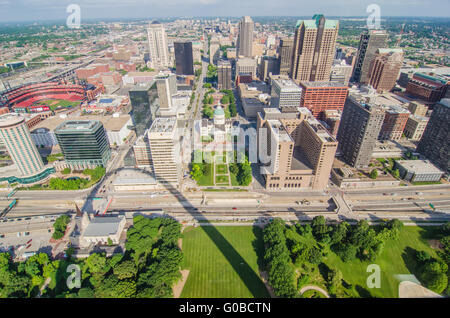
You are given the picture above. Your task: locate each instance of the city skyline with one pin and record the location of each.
(28, 10)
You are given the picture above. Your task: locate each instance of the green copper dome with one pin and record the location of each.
(219, 111)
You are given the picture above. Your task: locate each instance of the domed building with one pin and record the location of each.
(219, 127)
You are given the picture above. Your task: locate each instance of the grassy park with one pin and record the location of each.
(223, 262)
(395, 259)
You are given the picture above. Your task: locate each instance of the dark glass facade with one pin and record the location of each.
(144, 104)
(183, 58)
(84, 143)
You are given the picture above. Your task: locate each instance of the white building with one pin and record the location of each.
(158, 46)
(285, 94)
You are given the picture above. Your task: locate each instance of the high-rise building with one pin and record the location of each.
(435, 142)
(21, 148)
(84, 143)
(224, 74)
(321, 96)
(285, 95)
(370, 41)
(158, 45)
(245, 37)
(299, 151)
(394, 123)
(360, 126)
(214, 51)
(142, 152)
(385, 68)
(285, 55)
(246, 66)
(341, 72)
(164, 92)
(314, 49)
(144, 105)
(268, 65)
(165, 151)
(183, 58)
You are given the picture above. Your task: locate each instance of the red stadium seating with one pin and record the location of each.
(27, 95)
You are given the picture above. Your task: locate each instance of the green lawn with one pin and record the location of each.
(234, 181)
(223, 262)
(221, 169)
(396, 258)
(222, 179)
(55, 103)
(207, 179)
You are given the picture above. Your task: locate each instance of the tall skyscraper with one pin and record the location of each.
(165, 151)
(184, 58)
(84, 143)
(370, 41)
(214, 51)
(144, 105)
(245, 37)
(435, 142)
(314, 49)
(165, 91)
(158, 46)
(385, 68)
(17, 139)
(224, 75)
(285, 55)
(360, 126)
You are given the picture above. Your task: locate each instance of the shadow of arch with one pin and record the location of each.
(248, 276)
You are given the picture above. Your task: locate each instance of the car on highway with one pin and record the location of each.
(234, 208)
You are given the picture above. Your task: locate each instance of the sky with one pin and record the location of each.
(37, 10)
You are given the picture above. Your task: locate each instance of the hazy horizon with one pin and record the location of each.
(55, 10)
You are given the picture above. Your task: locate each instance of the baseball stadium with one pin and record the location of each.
(47, 96)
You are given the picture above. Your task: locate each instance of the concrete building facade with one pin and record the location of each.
(245, 37)
(19, 144)
(358, 131)
(369, 42)
(314, 49)
(158, 45)
(435, 142)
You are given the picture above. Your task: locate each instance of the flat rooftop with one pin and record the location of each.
(161, 125)
(103, 226)
(419, 166)
(110, 122)
(279, 130)
(322, 84)
(287, 85)
(9, 119)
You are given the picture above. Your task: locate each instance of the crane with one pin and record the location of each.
(400, 36)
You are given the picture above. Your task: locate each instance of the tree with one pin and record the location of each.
(339, 233)
(396, 173)
(197, 171)
(334, 280)
(125, 269)
(373, 174)
(225, 100)
(66, 171)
